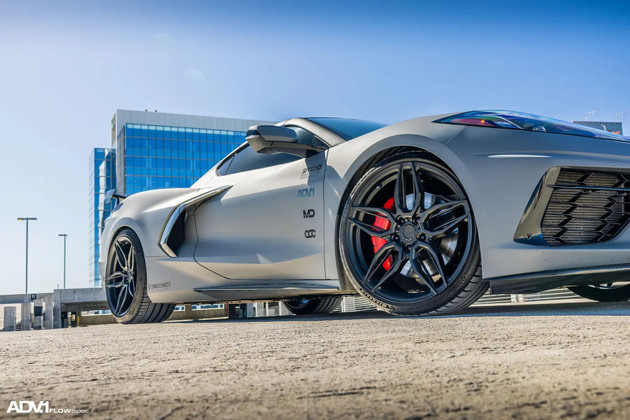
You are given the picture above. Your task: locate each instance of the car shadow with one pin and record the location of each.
(497, 310)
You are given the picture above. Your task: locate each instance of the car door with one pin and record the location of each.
(269, 224)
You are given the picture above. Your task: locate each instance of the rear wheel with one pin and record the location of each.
(611, 292)
(408, 240)
(126, 283)
(312, 306)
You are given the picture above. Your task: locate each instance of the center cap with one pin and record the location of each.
(408, 232)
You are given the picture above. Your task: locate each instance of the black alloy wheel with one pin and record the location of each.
(610, 292)
(121, 283)
(305, 306)
(408, 240)
(126, 283)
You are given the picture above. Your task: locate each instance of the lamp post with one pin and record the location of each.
(26, 219)
(65, 236)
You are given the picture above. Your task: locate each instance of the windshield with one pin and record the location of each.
(347, 128)
(527, 122)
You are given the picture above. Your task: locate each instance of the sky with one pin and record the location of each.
(66, 66)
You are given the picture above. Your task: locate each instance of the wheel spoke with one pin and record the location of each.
(379, 259)
(369, 229)
(122, 297)
(424, 276)
(131, 259)
(376, 212)
(400, 200)
(119, 283)
(418, 192)
(437, 261)
(120, 255)
(441, 210)
(131, 287)
(395, 268)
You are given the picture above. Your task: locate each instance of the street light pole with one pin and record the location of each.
(26, 219)
(65, 236)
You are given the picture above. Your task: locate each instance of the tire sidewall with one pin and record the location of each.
(456, 287)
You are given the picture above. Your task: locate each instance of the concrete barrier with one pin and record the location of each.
(9, 318)
(26, 316)
(75, 301)
(48, 312)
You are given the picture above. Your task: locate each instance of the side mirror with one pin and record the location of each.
(270, 139)
(111, 194)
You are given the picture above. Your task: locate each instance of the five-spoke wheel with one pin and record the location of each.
(408, 240)
(121, 283)
(126, 283)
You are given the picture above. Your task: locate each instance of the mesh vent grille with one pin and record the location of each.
(583, 216)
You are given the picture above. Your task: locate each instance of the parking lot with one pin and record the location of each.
(522, 361)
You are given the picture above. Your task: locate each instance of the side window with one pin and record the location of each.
(225, 165)
(306, 137)
(247, 159)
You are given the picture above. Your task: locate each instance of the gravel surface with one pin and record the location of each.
(523, 361)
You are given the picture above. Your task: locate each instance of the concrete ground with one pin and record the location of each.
(562, 360)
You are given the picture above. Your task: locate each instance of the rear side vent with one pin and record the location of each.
(586, 206)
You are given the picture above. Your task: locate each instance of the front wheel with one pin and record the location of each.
(126, 283)
(312, 306)
(611, 292)
(408, 240)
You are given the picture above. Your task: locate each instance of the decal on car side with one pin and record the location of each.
(306, 192)
(311, 233)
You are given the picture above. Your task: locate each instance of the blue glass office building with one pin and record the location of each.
(102, 179)
(152, 150)
(172, 157)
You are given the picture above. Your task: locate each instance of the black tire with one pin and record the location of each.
(125, 283)
(601, 293)
(323, 305)
(413, 248)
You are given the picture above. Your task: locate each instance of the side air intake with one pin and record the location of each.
(586, 206)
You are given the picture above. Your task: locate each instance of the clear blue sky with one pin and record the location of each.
(65, 66)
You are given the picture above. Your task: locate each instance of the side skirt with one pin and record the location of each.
(545, 280)
(271, 291)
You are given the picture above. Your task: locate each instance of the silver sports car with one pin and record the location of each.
(419, 217)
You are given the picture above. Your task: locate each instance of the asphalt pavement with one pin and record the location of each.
(551, 360)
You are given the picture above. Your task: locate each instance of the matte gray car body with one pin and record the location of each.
(254, 241)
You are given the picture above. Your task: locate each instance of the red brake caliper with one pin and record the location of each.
(383, 223)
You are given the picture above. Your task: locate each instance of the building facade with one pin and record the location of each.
(102, 179)
(610, 126)
(154, 150)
